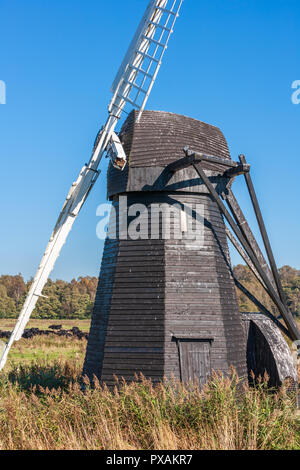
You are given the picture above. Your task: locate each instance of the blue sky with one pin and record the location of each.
(230, 63)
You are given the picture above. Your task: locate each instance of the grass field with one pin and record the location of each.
(46, 348)
(9, 324)
(43, 405)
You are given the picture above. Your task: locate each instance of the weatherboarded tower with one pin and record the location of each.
(164, 306)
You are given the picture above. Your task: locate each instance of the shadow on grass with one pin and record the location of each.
(41, 376)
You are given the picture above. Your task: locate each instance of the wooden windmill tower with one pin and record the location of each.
(166, 305)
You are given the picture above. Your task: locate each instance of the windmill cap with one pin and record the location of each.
(157, 140)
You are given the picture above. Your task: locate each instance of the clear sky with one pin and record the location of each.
(230, 63)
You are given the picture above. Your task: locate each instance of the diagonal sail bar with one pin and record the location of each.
(76, 197)
(143, 60)
(131, 87)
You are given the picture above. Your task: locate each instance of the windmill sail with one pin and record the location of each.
(137, 74)
(131, 89)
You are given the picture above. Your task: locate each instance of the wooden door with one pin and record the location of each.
(195, 360)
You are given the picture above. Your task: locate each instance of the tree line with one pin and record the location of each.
(63, 300)
(75, 299)
(290, 279)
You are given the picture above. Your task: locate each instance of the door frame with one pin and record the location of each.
(185, 337)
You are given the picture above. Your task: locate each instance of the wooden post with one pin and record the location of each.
(243, 225)
(288, 318)
(263, 231)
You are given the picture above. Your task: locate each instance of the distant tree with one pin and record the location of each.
(75, 299)
(7, 305)
(290, 279)
(15, 287)
(291, 285)
(62, 299)
(288, 274)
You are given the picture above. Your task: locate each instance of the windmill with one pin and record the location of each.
(167, 306)
(131, 88)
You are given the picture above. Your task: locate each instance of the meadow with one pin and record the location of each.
(46, 348)
(45, 404)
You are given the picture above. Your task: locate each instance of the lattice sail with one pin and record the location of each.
(138, 72)
(131, 87)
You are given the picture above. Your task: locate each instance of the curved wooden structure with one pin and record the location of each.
(268, 352)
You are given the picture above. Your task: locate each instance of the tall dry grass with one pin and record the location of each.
(46, 407)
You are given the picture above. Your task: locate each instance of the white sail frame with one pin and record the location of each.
(127, 80)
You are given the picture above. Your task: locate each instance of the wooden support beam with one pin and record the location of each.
(243, 225)
(287, 316)
(194, 157)
(263, 231)
(262, 308)
(239, 170)
(246, 258)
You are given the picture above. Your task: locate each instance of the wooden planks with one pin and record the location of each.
(195, 360)
(153, 290)
(157, 141)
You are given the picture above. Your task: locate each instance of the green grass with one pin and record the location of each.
(83, 325)
(47, 349)
(43, 406)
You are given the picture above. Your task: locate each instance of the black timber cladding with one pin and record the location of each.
(159, 137)
(152, 294)
(158, 140)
